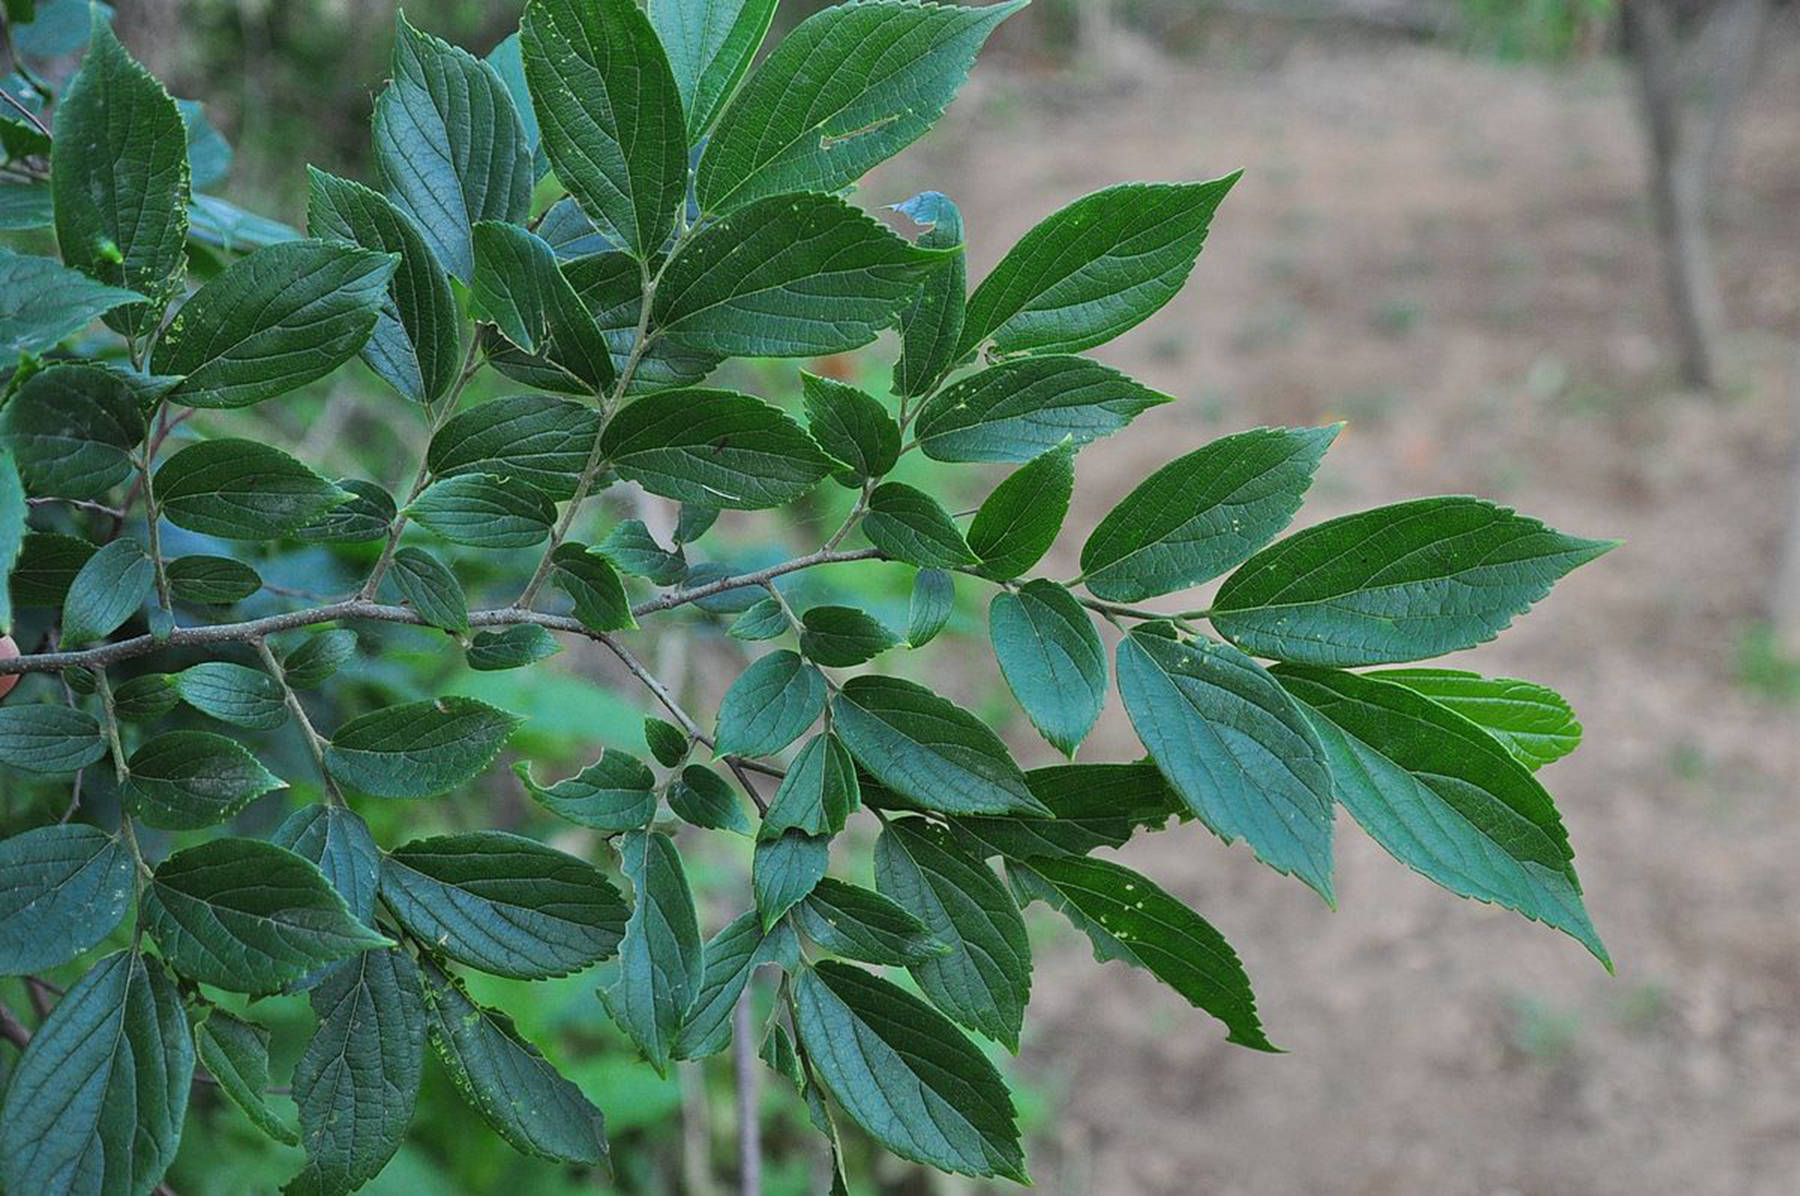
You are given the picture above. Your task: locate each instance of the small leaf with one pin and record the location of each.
(909, 525)
(1095, 805)
(731, 956)
(241, 490)
(818, 792)
(714, 447)
(62, 890)
(428, 586)
(44, 564)
(518, 288)
(926, 749)
(929, 329)
(43, 304)
(186, 780)
(315, 659)
(660, 961)
(272, 322)
(504, 904)
(483, 511)
(860, 924)
(1405, 582)
(615, 793)
(96, 1102)
(852, 427)
(668, 743)
(769, 706)
(784, 870)
(366, 515)
(843, 636)
(1019, 521)
(933, 602)
(212, 221)
(109, 589)
(905, 1074)
(418, 749)
(145, 699)
(232, 693)
(1018, 409)
(589, 578)
(1052, 659)
(703, 798)
(209, 154)
(215, 580)
(71, 429)
(513, 648)
(1533, 722)
(236, 1054)
(49, 739)
(634, 550)
(1101, 265)
(338, 842)
(248, 916)
(536, 439)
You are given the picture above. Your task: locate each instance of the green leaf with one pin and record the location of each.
(589, 578)
(508, 60)
(1234, 745)
(818, 792)
(273, 321)
(366, 515)
(1445, 799)
(1203, 513)
(765, 620)
(62, 890)
(481, 510)
(1052, 659)
(1018, 409)
(928, 750)
(1129, 918)
(1095, 805)
(96, 1102)
(241, 490)
(788, 276)
(933, 602)
(49, 739)
(1406, 582)
(631, 547)
(185, 780)
(843, 636)
(431, 589)
(110, 589)
(1533, 722)
(71, 429)
(1104, 264)
(1019, 521)
(208, 153)
(784, 870)
(504, 904)
(694, 520)
(338, 842)
(703, 798)
(984, 980)
(610, 114)
(416, 345)
(449, 145)
(660, 961)
(248, 916)
(232, 693)
(358, 1078)
(905, 1074)
(770, 705)
(418, 749)
(513, 648)
(668, 743)
(25, 205)
(214, 580)
(615, 793)
(44, 564)
(858, 923)
(145, 699)
(119, 175)
(852, 427)
(930, 327)
(236, 1054)
(14, 511)
(536, 439)
(315, 659)
(212, 221)
(850, 87)
(612, 285)
(42, 303)
(909, 525)
(716, 448)
(731, 956)
(518, 287)
(710, 44)
(508, 1081)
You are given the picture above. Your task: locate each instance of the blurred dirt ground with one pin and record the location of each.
(1455, 256)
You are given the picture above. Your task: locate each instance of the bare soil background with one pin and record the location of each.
(1456, 256)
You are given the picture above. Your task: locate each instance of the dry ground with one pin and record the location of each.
(1456, 257)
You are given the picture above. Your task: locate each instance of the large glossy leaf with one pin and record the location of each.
(1406, 582)
(62, 890)
(610, 114)
(184, 780)
(1533, 722)
(931, 326)
(1018, 409)
(850, 87)
(504, 904)
(928, 750)
(43, 303)
(49, 739)
(519, 288)
(418, 749)
(236, 1054)
(1104, 264)
(71, 430)
(110, 588)
(449, 144)
(661, 961)
(248, 916)
(416, 344)
(905, 1074)
(95, 1105)
(483, 510)
(1094, 805)
(1202, 513)
(1052, 659)
(119, 174)
(852, 426)
(909, 525)
(1444, 798)
(731, 955)
(984, 980)
(274, 321)
(788, 276)
(242, 490)
(1131, 919)
(710, 44)
(859, 923)
(714, 447)
(536, 439)
(1242, 755)
(1019, 520)
(233, 693)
